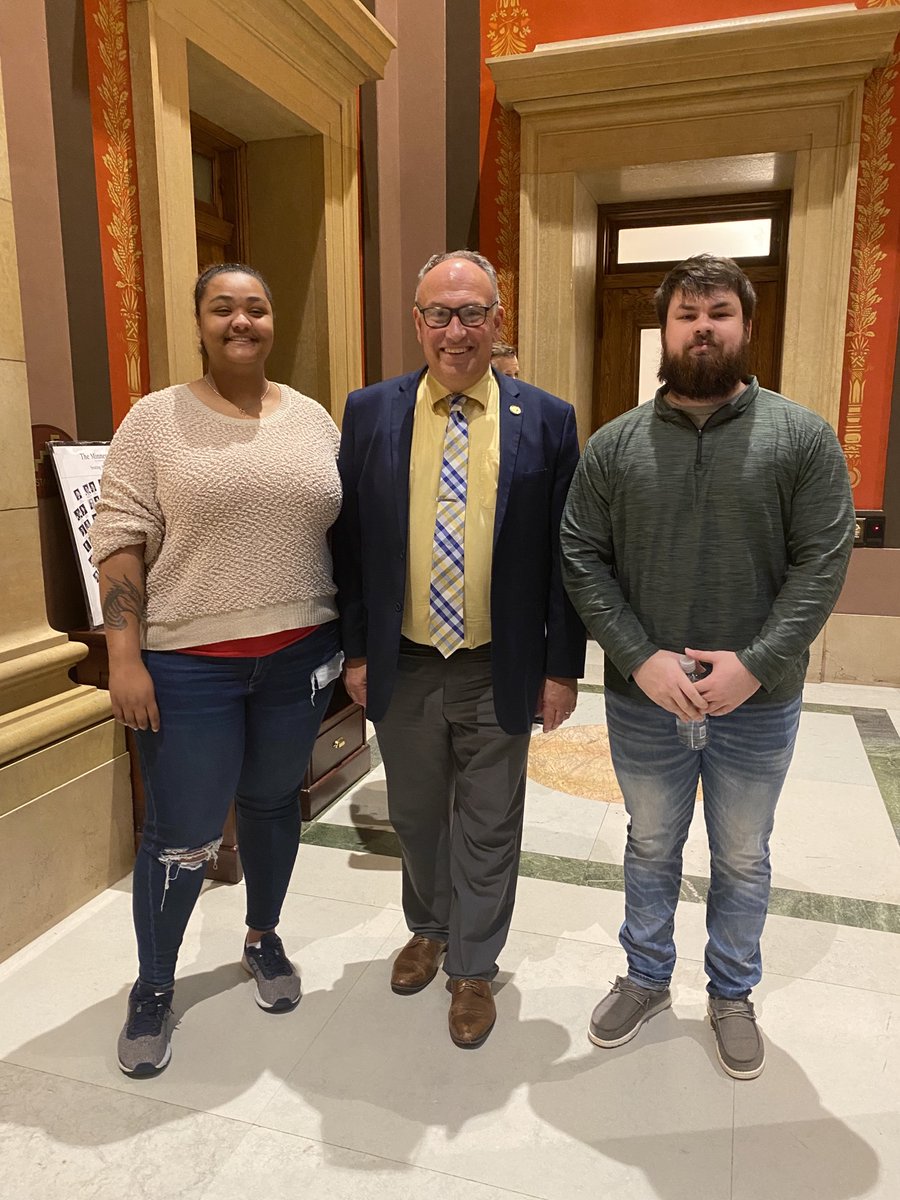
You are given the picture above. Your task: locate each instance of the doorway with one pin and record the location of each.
(639, 243)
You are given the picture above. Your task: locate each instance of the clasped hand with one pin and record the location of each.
(727, 685)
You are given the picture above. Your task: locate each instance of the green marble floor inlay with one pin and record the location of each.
(882, 745)
(881, 742)
(783, 902)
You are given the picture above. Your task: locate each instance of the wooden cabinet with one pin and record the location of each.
(340, 757)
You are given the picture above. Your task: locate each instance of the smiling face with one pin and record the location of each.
(457, 355)
(705, 343)
(235, 321)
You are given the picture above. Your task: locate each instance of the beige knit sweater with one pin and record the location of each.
(232, 513)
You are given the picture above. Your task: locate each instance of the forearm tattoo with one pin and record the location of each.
(121, 600)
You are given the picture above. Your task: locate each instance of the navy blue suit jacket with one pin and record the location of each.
(534, 629)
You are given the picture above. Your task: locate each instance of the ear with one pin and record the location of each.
(417, 320)
(748, 330)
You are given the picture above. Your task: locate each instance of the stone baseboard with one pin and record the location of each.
(66, 830)
(857, 648)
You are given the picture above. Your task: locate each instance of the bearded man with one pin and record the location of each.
(715, 523)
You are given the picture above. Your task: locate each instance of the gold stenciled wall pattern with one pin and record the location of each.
(117, 202)
(868, 255)
(509, 32)
(871, 322)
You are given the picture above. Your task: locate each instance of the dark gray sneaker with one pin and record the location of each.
(618, 1017)
(144, 1047)
(739, 1043)
(277, 983)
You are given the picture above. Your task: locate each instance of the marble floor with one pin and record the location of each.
(361, 1094)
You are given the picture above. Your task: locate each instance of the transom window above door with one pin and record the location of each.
(751, 238)
(751, 229)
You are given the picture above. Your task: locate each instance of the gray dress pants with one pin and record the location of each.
(456, 794)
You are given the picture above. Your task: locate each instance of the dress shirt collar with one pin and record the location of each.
(437, 396)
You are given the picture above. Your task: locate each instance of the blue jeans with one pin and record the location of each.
(743, 769)
(237, 729)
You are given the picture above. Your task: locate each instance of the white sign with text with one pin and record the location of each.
(78, 467)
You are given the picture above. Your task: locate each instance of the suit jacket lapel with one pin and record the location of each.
(402, 411)
(510, 432)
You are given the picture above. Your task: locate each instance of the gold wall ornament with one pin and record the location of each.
(123, 225)
(875, 166)
(508, 172)
(508, 29)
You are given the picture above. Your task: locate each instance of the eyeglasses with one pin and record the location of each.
(470, 315)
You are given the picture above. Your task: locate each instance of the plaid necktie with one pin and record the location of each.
(446, 626)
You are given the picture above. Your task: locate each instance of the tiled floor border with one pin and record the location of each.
(881, 742)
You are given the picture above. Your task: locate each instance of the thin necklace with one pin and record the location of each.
(207, 379)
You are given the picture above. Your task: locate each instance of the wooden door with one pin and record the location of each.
(220, 193)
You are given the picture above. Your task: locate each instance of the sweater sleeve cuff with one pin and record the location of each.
(636, 658)
(765, 667)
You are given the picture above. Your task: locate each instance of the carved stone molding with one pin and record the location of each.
(791, 84)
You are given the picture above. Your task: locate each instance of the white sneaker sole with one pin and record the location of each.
(733, 1071)
(280, 1006)
(146, 1070)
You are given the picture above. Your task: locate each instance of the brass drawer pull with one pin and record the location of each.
(339, 743)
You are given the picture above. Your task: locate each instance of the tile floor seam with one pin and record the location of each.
(342, 900)
(733, 1134)
(698, 961)
(117, 1091)
(829, 983)
(402, 1162)
(603, 819)
(565, 937)
(284, 1081)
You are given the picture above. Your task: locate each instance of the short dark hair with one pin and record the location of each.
(206, 277)
(701, 275)
(503, 350)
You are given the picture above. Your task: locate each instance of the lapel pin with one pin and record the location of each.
(515, 410)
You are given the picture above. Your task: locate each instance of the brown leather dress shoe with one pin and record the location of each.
(416, 965)
(472, 1011)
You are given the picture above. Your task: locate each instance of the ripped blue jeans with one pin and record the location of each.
(237, 729)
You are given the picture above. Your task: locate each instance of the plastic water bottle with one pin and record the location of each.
(693, 734)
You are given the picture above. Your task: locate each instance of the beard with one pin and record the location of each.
(707, 377)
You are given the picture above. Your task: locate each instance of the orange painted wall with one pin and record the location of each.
(516, 26)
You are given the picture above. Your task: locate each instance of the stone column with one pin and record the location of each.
(65, 802)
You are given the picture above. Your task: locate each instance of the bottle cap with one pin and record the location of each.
(687, 664)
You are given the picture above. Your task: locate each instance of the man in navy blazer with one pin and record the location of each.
(456, 627)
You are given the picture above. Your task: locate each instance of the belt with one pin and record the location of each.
(421, 650)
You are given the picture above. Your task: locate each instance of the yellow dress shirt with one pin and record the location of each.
(430, 419)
